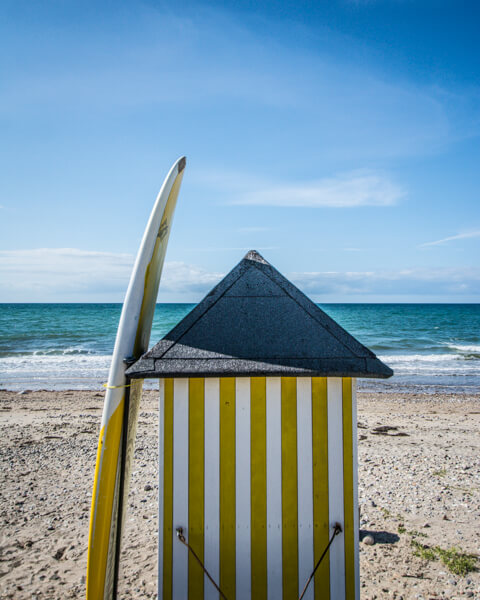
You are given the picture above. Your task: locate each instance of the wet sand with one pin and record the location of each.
(418, 483)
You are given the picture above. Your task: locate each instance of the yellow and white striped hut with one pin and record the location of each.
(258, 444)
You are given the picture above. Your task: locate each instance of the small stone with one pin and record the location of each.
(148, 488)
(368, 540)
(59, 553)
(426, 525)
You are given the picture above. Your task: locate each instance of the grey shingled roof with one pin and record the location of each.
(255, 322)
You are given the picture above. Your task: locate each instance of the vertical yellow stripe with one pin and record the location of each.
(289, 489)
(348, 489)
(258, 458)
(168, 491)
(320, 485)
(227, 486)
(196, 424)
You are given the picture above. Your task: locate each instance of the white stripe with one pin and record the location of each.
(161, 441)
(180, 487)
(356, 531)
(335, 486)
(242, 488)
(305, 484)
(274, 488)
(212, 486)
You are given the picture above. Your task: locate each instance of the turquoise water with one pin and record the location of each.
(431, 347)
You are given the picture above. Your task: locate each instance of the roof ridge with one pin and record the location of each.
(255, 256)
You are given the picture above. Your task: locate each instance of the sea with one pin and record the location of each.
(432, 348)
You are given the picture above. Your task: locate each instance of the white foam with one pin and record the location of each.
(465, 348)
(431, 358)
(431, 364)
(56, 372)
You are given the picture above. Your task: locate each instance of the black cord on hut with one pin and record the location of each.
(181, 537)
(337, 529)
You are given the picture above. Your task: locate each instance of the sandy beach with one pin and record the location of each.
(419, 493)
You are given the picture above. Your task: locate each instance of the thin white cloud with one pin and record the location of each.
(460, 236)
(179, 277)
(344, 191)
(418, 281)
(70, 274)
(47, 272)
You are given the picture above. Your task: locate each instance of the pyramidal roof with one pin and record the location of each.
(255, 322)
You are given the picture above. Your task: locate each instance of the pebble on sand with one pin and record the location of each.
(368, 540)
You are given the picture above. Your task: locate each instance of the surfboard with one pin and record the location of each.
(122, 399)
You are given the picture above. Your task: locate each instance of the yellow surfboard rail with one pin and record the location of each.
(122, 398)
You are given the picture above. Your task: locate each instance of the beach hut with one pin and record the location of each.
(258, 444)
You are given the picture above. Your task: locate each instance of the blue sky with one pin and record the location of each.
(340, 139)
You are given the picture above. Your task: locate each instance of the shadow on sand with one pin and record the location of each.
(380, 537)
